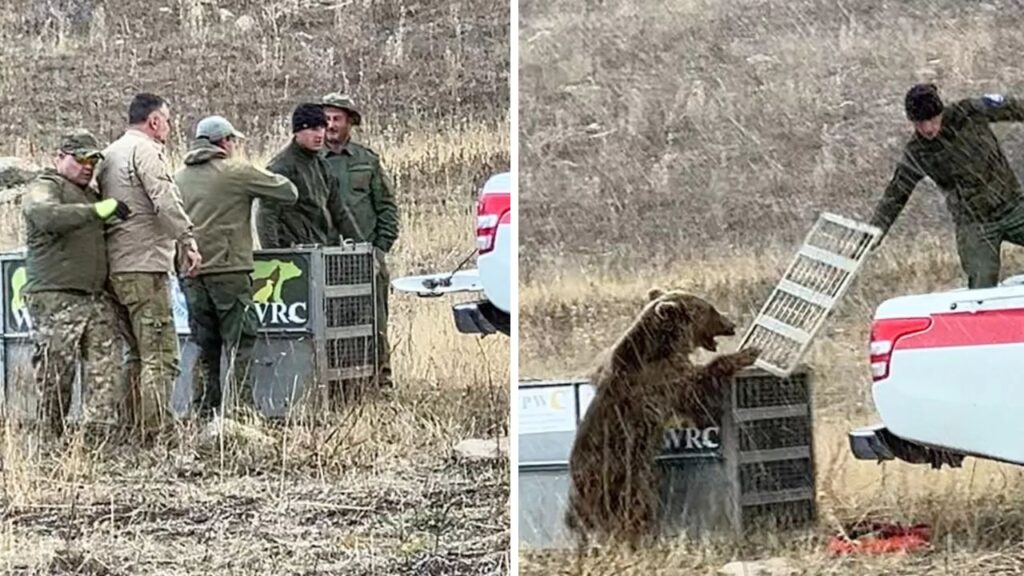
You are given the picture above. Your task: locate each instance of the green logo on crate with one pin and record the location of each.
(17, 312)
(281, 290)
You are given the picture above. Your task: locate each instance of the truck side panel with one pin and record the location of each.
(960, 384)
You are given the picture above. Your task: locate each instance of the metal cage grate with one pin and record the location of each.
(344, 311)
(776, 515)
(773, 433)
(348, 268)
(816, 279)
(775, 475)
(350, 352)
(349, 309)
(765, 390)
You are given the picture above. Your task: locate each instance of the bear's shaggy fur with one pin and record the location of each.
(646, 376)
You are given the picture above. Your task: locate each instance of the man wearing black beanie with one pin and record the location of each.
(309, 220)
(954, 146)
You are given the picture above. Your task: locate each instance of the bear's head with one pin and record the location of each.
(684, 314)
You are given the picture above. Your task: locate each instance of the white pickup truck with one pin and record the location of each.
(491, 277)
(948, 371)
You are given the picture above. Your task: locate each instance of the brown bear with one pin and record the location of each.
(644, 378)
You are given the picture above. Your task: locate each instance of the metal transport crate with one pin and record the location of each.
(747, 464)
(316, 307)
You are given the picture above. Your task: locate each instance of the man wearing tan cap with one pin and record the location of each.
(66, 274)
(219, 191)
(369, 212)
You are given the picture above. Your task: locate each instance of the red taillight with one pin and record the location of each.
(884, 335)
(491, 210)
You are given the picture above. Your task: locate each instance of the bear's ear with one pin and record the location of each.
(654, 294)
(677, 310)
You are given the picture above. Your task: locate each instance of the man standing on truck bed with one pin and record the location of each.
(142, 252)
(956, 148)
(369, 213)
(218, 191)
(310, 220)
(66, 275)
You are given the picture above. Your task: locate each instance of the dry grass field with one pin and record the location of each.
(693, 144)
(377, 489)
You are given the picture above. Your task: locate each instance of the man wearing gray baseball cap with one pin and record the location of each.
(218, 190)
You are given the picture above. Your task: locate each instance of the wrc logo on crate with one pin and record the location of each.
(281, 294)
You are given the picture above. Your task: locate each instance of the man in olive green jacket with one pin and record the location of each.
(218, 191)
(310, 220)
(65, 287)
(368, 210)
(954, 146)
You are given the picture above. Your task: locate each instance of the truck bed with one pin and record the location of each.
(948, 373)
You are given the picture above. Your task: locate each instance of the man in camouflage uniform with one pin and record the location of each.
(143, 252)
(368, 210)
(218, 191)
(956, 148)
(66, 265)
(310, 220)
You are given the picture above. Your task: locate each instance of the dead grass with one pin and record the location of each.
(693, 145)
(704, 128)
(375, 489)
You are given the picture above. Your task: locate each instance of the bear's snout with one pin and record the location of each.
(728, 328)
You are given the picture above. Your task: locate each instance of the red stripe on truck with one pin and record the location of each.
(969, 329)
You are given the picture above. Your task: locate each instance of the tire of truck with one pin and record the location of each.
(501, 320)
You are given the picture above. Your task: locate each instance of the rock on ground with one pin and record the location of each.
(482, 448)
(769, 567)
(16, 172)
(245, 23)
(236, 431)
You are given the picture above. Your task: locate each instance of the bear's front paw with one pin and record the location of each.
(747, 356)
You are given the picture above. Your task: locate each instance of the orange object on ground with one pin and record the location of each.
(880, 538)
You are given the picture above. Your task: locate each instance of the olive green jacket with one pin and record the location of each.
(65, 236)
(369, 212)
(218, 193)
(965, 161)
(310, 220)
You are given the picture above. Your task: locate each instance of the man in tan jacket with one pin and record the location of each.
(142, 256)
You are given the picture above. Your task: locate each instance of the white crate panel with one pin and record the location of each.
(815, 281)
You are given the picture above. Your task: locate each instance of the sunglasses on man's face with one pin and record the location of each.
(89, 161)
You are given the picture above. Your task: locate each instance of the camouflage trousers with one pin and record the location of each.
(383, 291)
(151, 361)
(72, 330)
(979, 246)
(222, 316)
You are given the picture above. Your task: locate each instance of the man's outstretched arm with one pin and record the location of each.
(897, 194)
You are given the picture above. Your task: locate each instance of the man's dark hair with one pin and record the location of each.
(922, 102)
(142, 106)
